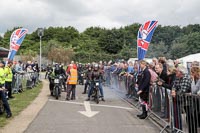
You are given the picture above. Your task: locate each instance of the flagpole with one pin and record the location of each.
(40, 34)
(40, 51)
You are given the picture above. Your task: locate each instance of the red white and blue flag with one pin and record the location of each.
(16, 40)
(145, 34)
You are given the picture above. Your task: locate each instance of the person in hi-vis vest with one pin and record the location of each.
(71, 83)
(2, 91)
(8, 78)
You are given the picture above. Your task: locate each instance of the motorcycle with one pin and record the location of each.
(57, 86)
(95, 93)
(81, 78)
(63, 82)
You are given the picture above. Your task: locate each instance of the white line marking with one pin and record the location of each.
(88, 111)
(97, 105)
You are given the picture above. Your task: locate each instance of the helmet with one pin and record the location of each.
(89, 67)
(79, 65)
(57, 67)
(96, 66)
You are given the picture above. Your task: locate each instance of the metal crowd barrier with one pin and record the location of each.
(186, 110)
(17, 82)
(180, 114)
(24, 80)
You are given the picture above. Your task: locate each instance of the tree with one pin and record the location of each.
(110, 41)
(158, 50)
(60, 55)
(178, 50)
(28, 55)
(96, 43)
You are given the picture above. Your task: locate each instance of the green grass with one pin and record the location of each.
(20, 102)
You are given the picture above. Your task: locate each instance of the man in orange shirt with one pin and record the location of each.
(71, 82)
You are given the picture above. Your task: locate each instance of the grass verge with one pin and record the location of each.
(20, 102)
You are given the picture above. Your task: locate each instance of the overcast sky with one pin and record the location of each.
(82, 14)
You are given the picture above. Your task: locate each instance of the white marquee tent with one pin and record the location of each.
(189, 59)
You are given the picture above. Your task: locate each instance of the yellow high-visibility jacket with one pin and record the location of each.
(2, 76)
(8, 74)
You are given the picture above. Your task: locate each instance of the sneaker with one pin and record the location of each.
(103, 99)
(84, 93)
(88, 99)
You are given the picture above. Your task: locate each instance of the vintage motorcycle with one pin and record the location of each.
(96, 93)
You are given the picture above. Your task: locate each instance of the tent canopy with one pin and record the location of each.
(190, 59)
(3, 52)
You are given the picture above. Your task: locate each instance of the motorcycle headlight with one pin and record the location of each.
(97, 83)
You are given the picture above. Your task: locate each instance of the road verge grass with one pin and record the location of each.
(20, 102)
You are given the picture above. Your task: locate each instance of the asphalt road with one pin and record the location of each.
(112, 116)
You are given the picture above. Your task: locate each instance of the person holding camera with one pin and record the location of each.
(162, 78)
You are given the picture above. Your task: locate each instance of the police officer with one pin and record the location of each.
(2, 91)
(8, 79)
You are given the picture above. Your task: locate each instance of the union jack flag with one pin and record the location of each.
(16, 40)
(145, 34)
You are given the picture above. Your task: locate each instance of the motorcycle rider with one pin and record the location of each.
(88, 77)
(52, 73)
(96, 75)
(49, 68)
(57, 70)
(80, 72)
(64, 75)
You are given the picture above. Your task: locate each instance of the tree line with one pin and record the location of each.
(96, 43)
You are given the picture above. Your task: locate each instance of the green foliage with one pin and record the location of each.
(158, 50)
(185, 45)
(96, 43)
(111, 41)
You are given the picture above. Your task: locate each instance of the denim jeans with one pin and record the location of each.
(92, 87)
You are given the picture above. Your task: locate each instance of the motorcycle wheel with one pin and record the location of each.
(56, 92)
(97, 95)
